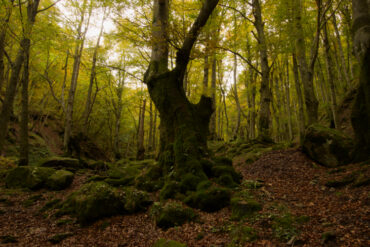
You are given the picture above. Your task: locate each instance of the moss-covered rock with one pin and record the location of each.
(94, 201)
(98, 165)
(136, 200)
(168, 243)
(242, 208)
(327, 146)
(209, 200)
(28, 177)
(59, 180)
(171, 214)
(190, 181)
(227, 181)
(62, 163)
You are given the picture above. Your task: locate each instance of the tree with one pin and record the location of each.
(361, 109)
(23, 53)
(184, 126)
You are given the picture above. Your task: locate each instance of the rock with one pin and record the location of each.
(209, 200)
(63, 163)
(28, 177)
(136, 200)
(98, 166)
(94, 201)
(242, 208)
(60, 180)
(329, 147)
(171, 214)
(168, 243)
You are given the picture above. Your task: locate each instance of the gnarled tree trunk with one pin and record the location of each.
(184, 126)
(361, 109)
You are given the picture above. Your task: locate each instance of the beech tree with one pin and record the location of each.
(184, 126)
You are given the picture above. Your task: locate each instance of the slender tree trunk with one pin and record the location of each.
(154, 140)
(301, 116)
(343, 67)
(264, 113)
(88, 105)
(151, 127)
(3, 31)
(237, 102)
(287, 95)
(118, 112)
(205, 75)
(16, 69)
(305, 69)
(212, 125)
(75, 72)
(23, 159)
(140, 142)
(361, 110)
(330, 67)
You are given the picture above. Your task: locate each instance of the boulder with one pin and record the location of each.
(329, 147)
(59, 180)
(62, 163)
(94, 201)
(28, 177)
(171, 214)
(209, 200)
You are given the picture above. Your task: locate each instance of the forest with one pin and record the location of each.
(174, 123)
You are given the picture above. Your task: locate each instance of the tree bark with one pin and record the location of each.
(212, 125)
(184, 126)
(301, 116)
(88, 104)
(361, 110)
(305, 69)
(81, 35)
(140, 141)
(237, 102)
(265, 93)
(330, 70)
(16, 69)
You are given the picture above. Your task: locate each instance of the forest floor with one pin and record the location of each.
(298, 210)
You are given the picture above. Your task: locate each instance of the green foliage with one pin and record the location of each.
(240, 235)
(243, 207)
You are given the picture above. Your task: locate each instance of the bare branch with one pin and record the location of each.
(52, 5)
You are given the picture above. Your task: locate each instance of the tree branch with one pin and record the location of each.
(242, 57)
(238, 11)
(182, 56)
(52, 5)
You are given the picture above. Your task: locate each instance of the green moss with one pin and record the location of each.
(242, 208)
(168, 243)
(32, 200)
(169, 190)
(222, 161)
(240, 235)
(28, 177)
(361, 180)
(190, 181)
(59, 180)
(210, 200)
(50, 205)
(125, 181)
(328, 237)
(207, 166)
(171, 214)
(63, 222)
(326, 146)
(252, 184)
(150, 179)
(219, 171)
(94, 201)
(204, 185)
(62, 163)
(340, 183)
(227, 181)
(136, 200)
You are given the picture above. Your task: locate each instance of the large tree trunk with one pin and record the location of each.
(361, 109)
(16, 69)
(237, 102)
(184, 126)
(301, 116)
